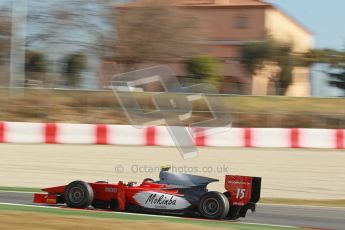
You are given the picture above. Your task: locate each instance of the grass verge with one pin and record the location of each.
(74, 106)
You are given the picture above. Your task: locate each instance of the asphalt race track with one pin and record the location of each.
(286, 173)
(297, 216)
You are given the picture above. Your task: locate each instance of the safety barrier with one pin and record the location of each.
(60, 133)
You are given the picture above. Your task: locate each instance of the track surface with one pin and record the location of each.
(286, 173)
(299, 216)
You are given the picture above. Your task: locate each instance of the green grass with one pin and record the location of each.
(129, 217)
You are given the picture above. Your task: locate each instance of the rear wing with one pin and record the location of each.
(243, 189)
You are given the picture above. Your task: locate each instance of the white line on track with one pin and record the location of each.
(151, 215)
(269, 225)
(27, 205)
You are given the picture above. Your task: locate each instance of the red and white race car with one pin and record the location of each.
(173, 194)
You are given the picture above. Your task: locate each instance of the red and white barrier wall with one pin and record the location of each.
(18, 132)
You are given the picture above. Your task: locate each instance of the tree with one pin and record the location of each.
(5, 42)
(69, 26)
(154, 30)
(330, 56)
(336, 60)
(254, 55)
(35, 61)
(5, 35)
(338, 80)
(203, 67)
(35, 65)
(285, 61)
(74, 64)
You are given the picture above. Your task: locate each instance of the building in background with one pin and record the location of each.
(226, 25)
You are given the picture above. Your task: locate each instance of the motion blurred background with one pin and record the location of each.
(57, 59)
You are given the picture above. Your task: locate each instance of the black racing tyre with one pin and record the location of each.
(214, 205)
(234, 212)
(78, 194)
(100, 204)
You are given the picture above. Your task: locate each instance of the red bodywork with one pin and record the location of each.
(240, 189)
(107, 192)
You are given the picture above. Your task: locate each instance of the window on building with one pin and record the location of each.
(241, 22)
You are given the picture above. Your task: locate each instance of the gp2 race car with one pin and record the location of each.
(173, 194)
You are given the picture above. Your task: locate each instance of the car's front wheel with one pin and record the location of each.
(78, 194)
(214, 205)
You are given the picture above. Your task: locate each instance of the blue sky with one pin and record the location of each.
(325, 18)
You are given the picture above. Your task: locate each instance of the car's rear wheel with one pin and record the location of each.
(234, 212)
(78, 194)
(214, 205)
